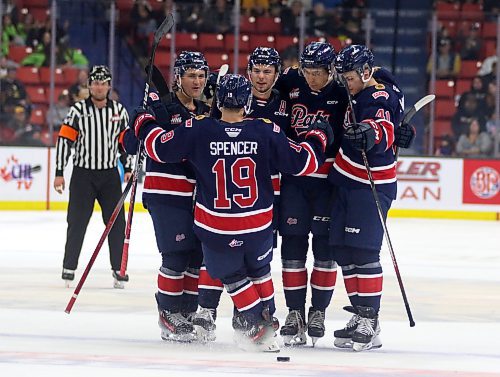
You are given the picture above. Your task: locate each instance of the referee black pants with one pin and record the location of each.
(85, 187)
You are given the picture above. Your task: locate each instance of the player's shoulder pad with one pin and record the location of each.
(379, 86)
(200, 117)
(266, 120)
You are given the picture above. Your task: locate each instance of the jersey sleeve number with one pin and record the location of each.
(242, 175)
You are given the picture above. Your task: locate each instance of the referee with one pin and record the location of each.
(92, 127)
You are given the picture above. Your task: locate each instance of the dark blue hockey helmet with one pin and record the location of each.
(354, 58)
(190, 60)
(234, 92)
(265, 56)
(318, 55)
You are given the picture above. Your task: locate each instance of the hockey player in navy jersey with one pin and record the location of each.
(264, 67)
(168, 196)
(233, 159)
(356, 231)
(312, 94)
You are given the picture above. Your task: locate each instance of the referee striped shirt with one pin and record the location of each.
(94, 133)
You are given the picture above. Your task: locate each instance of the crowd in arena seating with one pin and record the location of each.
(465, 65)
(25, 74)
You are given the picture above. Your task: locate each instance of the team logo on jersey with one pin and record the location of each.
(235, 243)
(379, 86)
(276, 128)
(154, 96)
(167, 136)
(291, 221)
(381, 93)
(180, 237)
(294, 93)
(232, 131)
(282, 110)
(189, 123)
(176, 119)
(302, 120)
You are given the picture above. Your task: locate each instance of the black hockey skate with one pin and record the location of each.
(294, 329)
(119, 280)
(175, 327)
(343, 336)
(68, 276)
(315, 324)
(256, 336)
(366, 335)
(204, 324)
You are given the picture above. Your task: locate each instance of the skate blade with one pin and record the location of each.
(374, 344)
(267, 343)
(204, 335)
(178, 338)
(118, 284)
(342, 342)
(314, 339)
(67, 283)
(294, 340)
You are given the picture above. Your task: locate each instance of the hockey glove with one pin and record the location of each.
(322, 131)
(361, 136)
(158, 108)
(211, 85)
(404, 135)
(140, 117)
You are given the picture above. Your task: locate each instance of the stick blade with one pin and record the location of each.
(164, 28)
(417, 106)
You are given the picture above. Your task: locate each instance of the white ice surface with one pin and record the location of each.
(450, 269)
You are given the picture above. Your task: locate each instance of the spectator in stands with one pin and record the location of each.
(145, 24)
(58, 112)
(446, 146)
(79, 90)
(319, 22)
(478, 91)
(474, 143)
(467, 111)
(491, 95)
(13, 92)
(32, 29)
(447, 62)
(5, 64)
(290, 18)
(487, 65)
(191, 18)
(217, 18)
(255, 8)
(10, 7)
(24, 132)
(41, 53)
(490, 77)
(276, 7)
(491, 9)
(11, 33)
(471, 43)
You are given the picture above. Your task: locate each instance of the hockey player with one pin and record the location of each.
(264, 67)
(233, 159)
(313, 94)
(355, 230)
(168, 196)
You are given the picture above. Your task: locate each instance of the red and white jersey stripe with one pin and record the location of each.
(168, 184)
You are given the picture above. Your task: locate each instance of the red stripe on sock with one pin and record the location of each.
(325, 279)
(190, 283)
(294, 279)
(170, 284)
(206, 280)
(351, 284)
(370, 285)
(246, 297)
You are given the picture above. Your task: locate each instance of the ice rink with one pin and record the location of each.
(450, 268)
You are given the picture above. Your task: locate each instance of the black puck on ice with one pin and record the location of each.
(283, 358)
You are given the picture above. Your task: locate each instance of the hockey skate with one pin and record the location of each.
(204, 324)
(68, 276)
(366, 335)
(315, 324)
(258, 336)
(119, 280)
(343, 336)
(175, 327)
(294, 329)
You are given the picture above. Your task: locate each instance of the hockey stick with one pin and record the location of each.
(109, 225)
(379, 209)
(163, 29)
(132, 183)
(413, 111)
(222, 72)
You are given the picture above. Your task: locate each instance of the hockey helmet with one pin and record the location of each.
(190, 60)
(318, 55)
(234, 92)
(354, 58)
(265, 56)
(99, 73)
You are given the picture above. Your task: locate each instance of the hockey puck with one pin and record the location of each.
(283, 358)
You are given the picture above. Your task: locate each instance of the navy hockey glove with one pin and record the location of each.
(404, 135)
(361, 136)
(140, 117)
(158, 108)
(322, 131)
(211, 85)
